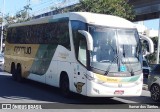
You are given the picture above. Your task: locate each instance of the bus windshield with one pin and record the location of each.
(114, 47)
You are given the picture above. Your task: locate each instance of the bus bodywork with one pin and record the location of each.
(90, 54)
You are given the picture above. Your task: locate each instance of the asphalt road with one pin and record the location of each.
(34, 92)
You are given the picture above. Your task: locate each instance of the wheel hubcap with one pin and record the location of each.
(155, 93)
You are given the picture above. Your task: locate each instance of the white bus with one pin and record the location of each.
(91, 54)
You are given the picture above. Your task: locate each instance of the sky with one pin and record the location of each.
(38, 6)
(13, 6)
(152, 24)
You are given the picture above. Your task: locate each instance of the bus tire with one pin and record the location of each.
(13, 71)
(19, 73)
(64, 85)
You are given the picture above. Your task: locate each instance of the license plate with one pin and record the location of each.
(119, 92)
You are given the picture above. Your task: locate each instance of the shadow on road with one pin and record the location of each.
(32, 92)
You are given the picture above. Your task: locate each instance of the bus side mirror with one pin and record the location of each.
(88, 38)
(150, 42)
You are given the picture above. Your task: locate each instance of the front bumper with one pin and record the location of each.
(115, 89)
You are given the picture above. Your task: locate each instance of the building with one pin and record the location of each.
(145, 31)
(151, 33)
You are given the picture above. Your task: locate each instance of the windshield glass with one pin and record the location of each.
(104, 48)
(128, 45)
(113, 47)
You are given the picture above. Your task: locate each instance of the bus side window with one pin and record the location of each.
(82, 53)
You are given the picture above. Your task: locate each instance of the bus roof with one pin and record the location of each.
(87, 17)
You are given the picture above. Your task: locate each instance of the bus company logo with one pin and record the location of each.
(119, 85)
(25, 50)
(79, 86)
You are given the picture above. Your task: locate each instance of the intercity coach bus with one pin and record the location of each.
(91, 54)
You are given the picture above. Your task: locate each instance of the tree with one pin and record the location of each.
(0, 20)
(113, 7)
(9, 19)
(23, 15)
(152, 57)
(26, 11)
(155, 42)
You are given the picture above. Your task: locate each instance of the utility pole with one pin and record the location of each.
(27, 8)
(157, 61)
(28, 4)
(2, 25)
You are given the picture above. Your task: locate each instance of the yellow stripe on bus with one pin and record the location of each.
(108, 79)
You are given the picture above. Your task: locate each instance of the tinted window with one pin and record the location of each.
(48, 33)
(82, 52)
(145, 64)
(157, 68)
(77, 25)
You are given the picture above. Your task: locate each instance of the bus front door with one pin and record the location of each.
(80, 67)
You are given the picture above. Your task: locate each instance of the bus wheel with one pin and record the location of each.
(19, 73)
(64, 86)
(13, 71)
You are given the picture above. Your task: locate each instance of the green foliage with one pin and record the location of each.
(152, 57)
(0, 20)
(155, 41)
(24, 14)
(112, 7)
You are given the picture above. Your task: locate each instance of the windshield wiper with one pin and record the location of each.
(108, 69)
(124, 53)
(115, 57)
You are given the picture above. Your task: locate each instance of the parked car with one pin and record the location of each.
(146, 69)
(154, 83)
(1, 62)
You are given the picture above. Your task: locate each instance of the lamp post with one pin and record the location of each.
(157, 61)
(2, 26)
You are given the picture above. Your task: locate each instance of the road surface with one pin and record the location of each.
(33, 92)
